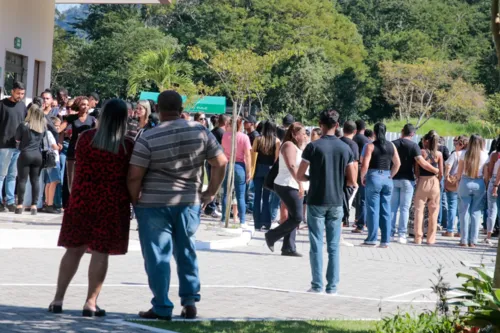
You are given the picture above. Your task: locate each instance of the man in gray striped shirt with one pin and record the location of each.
(165, 183)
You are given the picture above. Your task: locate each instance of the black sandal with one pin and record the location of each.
(97, 313)
(55, 308)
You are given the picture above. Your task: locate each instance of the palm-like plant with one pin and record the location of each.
(160, 68)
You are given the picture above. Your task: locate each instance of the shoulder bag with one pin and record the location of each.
(451, 181)
(48, 155)
(271, 176)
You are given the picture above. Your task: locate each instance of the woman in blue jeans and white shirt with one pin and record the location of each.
(471, 190)
(267, 148)
(376, 175)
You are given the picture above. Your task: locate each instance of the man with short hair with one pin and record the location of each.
(12, 113)
(350, 192)
(165, 184)
(249, 126)
(404, 181)
(48, 110)
(62, 100)
(361, 140)
(331, 167)
(93, 102)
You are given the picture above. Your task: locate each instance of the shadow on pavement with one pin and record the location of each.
(35, 320)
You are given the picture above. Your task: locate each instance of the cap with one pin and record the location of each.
(251, 119)
(288, 120)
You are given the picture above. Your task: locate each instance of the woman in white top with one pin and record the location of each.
(290, 190)
(471, 190)
(492, 195)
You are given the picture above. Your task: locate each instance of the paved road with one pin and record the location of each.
(239, 283)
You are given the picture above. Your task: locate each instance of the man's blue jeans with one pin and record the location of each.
(378, 206)
(261, 206)
(443, 208)
(239, 188)
(402, 195)
(452, 210)
(320, 218)
(472, 192)
(8, 173)
(164, 231)
(493, 203)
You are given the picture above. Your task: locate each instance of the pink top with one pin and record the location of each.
(242, 145)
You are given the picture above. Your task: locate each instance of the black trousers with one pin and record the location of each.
(28, 164)
(288, 229)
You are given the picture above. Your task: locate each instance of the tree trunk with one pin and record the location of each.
(230, 173)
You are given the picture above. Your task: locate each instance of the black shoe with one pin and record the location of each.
(269, 244)
(2, 208)
(11, 208)
(189, 312)
(51, 210)
(19, 211)
(97, 313)
(150, 314)
(55, 308)
(291, 254)
(33, 211)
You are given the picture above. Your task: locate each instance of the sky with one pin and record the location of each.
(62, 8)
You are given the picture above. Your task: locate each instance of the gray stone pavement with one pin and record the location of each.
(239, 283)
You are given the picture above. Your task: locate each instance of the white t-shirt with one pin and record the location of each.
(482, 162)
(453, 161)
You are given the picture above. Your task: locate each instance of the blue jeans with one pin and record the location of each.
(58, 200)
(8, 173)
(472, 194)
(320, 218)
(249, 195)
(164, 231)
(239, 188)
(401, 198)
(452, 210)
(378, 205)
(493, 203)
(443, 208)
(261, 206)
(274, 206)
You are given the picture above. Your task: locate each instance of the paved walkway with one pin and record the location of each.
(239, 283)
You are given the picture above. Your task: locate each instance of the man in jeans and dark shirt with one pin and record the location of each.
(350, 192)
(12, 113)
(404, 181)
(331, 167)
(250, 122)
(361, 140)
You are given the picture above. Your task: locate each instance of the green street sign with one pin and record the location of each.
(18, 43)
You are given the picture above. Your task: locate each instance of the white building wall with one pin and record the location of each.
(33, 22)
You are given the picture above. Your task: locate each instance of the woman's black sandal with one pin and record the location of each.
(55, 308)
(97, 313)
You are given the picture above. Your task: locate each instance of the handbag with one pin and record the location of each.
(271, 176)
(451, 182)
(48, 155)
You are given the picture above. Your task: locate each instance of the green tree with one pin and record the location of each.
(159, 68)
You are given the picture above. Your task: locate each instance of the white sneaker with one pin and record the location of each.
(314, 291)
(402, 240)
(216, 215)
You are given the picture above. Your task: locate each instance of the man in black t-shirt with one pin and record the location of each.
(331, 167)
(404, 181)
(12, 114)
(249, 125)
(361, 140)
(219, 131)
(350, 192)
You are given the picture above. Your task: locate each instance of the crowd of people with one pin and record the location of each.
(96, 163)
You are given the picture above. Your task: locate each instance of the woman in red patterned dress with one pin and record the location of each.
(98, 216)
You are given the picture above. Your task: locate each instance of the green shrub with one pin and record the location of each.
(426, 322)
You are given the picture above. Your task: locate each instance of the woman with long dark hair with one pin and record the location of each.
(376, 176)
(428, 190)
(79, 122)
(471, 190)
(267, 148)
(98, 216)
(290, 190)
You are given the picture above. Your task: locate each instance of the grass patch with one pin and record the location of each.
(446, 128)
(335, 326)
